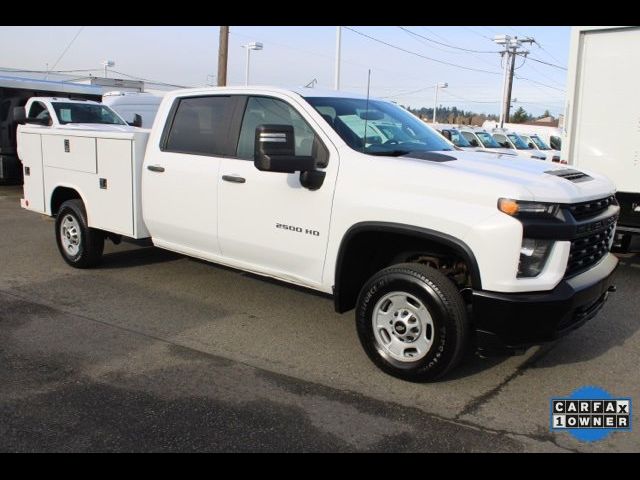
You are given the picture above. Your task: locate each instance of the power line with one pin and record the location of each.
(67, 48)
(539, 83)
(420, 55)
(545, 75)
(547, 63)
(410, 92)
(478, 34)
(343, 60)
(446, 44)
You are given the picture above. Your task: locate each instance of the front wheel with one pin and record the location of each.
(412, 322)
(79, 245)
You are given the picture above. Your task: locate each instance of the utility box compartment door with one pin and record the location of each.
(112, 193)
(70, 153)
(31, 157)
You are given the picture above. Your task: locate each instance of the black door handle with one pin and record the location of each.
(155, 168)
(233, 178)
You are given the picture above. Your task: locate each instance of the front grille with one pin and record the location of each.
(590, 249)
(584, 210)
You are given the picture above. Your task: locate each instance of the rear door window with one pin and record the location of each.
(201, 126)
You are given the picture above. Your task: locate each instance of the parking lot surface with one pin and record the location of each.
(155, 351)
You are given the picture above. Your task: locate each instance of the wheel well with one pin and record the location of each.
(61, 195)
(367, 250)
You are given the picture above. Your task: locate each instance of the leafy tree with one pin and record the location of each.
(520, 116)
(546, 113)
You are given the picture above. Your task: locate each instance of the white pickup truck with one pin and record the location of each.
(435, 248)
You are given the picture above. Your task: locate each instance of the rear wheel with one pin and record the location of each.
(79, 245)
(412, 322)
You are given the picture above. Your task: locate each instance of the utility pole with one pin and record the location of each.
(223, 53)
(336, 84)
(512, 48)
(435, 103)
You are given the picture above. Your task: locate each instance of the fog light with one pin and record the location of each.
(533, 257)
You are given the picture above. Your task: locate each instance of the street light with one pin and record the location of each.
(108, 64)
(435, 104)
(249, 47)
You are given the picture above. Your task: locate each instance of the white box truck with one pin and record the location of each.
(434, 247)
(602, 115)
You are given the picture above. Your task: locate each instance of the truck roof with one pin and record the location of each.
(302, 91)
(64, 99)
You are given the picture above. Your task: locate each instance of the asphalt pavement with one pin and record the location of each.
(154, 351)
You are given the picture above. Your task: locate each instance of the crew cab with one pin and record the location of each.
(436, 249)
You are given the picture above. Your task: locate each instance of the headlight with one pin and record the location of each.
(523, 208)
(533, 256)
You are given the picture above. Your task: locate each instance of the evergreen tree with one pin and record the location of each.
(520, 116)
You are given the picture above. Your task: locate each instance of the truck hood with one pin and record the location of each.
(540, 179)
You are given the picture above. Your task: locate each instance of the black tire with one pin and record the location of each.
(91, 245)
(445, 306)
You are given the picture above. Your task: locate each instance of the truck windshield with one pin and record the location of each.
(85, 113)
(519, 143)
(487, 140)
(458, 140)
(538, 141)
(377, 128)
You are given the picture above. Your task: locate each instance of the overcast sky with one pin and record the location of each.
(297, 55)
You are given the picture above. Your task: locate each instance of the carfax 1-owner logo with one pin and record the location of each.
(591, 414)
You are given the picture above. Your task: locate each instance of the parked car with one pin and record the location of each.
(481, 140)
(552, 136)
(534, 141)
(347, 195)
(514, 142)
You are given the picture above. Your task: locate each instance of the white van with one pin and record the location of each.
(128, 104)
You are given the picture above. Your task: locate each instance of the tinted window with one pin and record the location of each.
(556, 143)
(200, 126)
(487, 140)
(458, 140)
(502, 140)
(85, 113)
(519, 142)
(265, 111)
(470, 138)
(36, 110)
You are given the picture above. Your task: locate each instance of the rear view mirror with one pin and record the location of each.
(531, 145)
(371, 115)
(474, 142)
(137, 121)
(446, 134)
(274, 151)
